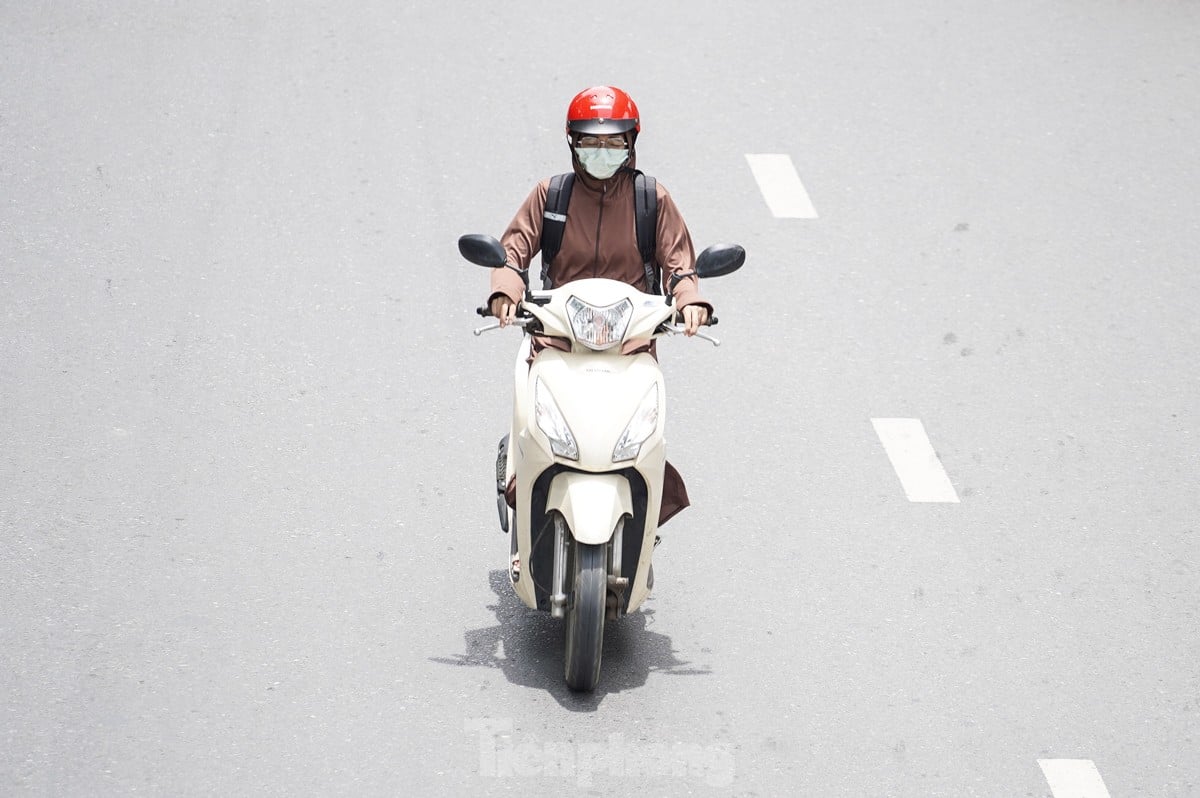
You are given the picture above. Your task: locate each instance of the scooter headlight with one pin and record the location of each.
(550, 421)
(639, 428)
(599, 328)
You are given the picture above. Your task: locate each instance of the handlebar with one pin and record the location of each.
(524, 319)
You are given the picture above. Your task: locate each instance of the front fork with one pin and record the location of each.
(558, 594)
(616, 583)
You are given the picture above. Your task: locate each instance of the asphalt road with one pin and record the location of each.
(248, 545)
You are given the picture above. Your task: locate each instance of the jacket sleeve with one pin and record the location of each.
(675, 252)
(522, 240)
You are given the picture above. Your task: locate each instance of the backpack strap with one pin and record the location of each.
(645, 209)
(554, 221)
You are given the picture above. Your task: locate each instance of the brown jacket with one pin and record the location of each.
(600, 239)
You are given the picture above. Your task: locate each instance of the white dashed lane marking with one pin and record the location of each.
(914, 459)
(781, 186)
(1073, 778)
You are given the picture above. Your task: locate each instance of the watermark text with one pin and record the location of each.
(501, 756)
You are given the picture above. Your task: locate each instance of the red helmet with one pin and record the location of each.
(603, 109)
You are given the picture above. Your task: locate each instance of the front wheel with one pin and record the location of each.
(585, 618)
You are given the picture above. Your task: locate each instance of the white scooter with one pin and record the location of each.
(587, 448)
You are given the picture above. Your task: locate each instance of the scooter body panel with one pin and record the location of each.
(591, 504)
(598, 394)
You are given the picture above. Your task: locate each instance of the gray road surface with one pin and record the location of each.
(245, 433)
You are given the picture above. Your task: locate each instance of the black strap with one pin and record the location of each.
(554, 221)
(645, 210)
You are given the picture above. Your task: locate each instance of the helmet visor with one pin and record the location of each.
(601, 127)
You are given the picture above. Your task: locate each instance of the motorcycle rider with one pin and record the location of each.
(599, 238)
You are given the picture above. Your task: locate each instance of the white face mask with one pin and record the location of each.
(601, 162)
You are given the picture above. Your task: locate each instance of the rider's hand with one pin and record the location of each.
(693, 317)
(504, 309)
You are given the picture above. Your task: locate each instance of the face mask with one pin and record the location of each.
(601, 162)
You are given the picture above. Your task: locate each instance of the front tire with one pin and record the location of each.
(585, 618)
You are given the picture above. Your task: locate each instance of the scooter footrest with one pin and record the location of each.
(501, 464)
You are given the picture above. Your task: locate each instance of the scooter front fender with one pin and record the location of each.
(591, 504)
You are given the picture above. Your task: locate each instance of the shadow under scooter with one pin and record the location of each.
(527, 647)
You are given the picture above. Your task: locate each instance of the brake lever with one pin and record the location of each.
(679, 329)
(495, 325)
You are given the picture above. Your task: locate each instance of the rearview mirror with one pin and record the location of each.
(482, 250)
(719, 260)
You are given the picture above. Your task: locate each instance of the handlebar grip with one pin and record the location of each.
(483, 310)
(712, 322)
